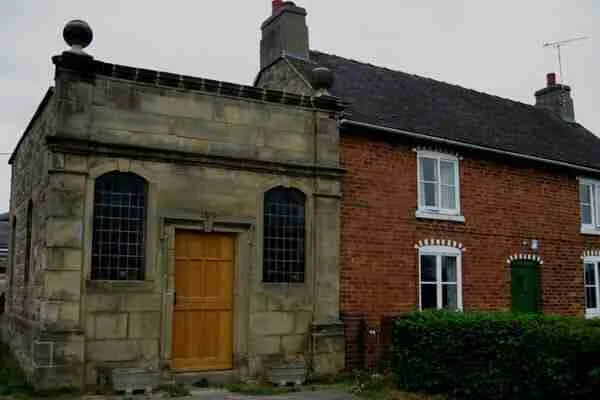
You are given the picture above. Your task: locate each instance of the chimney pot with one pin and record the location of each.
(277, 4)
(284, 32)
(556, 98)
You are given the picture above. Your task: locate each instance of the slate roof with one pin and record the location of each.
(402, 101)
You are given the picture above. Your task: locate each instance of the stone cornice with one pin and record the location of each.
(89, 147)
(89, 68)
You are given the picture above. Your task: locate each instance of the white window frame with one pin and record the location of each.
(592, 312)
(438, 252)
(594, 227)
(437, 212)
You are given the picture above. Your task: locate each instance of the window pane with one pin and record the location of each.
(590, 297)
(449, 297)
(585, 193)
(447, 172)
(586, 214)
(284, 236)
(448, 268)
(429, 194)
(590, 274)
(118, 244)
(448, 197)
(428, 269)
(428, 296)
(429, 169)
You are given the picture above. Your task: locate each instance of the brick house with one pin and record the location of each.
(452, 198)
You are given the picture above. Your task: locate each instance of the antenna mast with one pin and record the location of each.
(557, 45)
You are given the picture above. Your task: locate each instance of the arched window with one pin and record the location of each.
(118, 244)
(284, 236)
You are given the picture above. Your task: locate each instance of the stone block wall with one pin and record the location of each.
(281, 75)
(29, 311)
(207, 159)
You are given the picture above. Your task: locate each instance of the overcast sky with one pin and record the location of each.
(493, 46)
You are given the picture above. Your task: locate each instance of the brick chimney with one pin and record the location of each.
(284, 32)
(556, 98)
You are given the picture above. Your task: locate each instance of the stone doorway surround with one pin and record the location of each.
(243, 230)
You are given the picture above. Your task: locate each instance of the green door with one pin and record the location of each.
(525, 286)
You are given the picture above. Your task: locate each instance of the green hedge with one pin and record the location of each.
(497, 356)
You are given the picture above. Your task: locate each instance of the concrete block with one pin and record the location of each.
(258, 302)
(238, 112)
(272, 323)
(144, 325)
(303, 322)
(178, 105)
(63, 257)
(131, 121)
(64, 232)
(278, 117)
(266, 345)
(294, 343)
(328, 364)
(109, 302)
(110, 326)
(62, 285)
(70, 351)
(136, 302)
(63, 314)
(201, 129)
(121, 350)
(112, 350)
(293, 142)
(76, 163)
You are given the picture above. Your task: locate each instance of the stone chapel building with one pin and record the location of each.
(173, 223)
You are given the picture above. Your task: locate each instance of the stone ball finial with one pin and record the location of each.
(322, 78)
(78, 34)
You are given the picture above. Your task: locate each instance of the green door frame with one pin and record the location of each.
(525, 286)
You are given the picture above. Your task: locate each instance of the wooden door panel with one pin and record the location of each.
(202, 313)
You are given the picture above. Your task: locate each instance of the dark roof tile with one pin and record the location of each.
(398, 100)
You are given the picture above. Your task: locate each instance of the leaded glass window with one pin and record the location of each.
(118, 244)
(284, 236)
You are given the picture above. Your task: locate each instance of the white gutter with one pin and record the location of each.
(467, 145)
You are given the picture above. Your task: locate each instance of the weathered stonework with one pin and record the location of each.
(282, 75)
(208, 159)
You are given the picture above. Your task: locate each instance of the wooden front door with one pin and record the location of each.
(203, 303)
(525, 281)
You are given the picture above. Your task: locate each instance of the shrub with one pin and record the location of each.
(497, 356)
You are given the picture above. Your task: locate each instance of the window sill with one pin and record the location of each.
(592, 313)
(120, 286)
(439, 216)
(589, 230)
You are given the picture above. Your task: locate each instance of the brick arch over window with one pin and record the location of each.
(440, 242)
(119, 227)
(284, 235)
(525, 257)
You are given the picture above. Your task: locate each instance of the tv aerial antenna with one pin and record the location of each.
(557, 45)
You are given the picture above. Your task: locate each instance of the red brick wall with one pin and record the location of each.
(504, 202)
